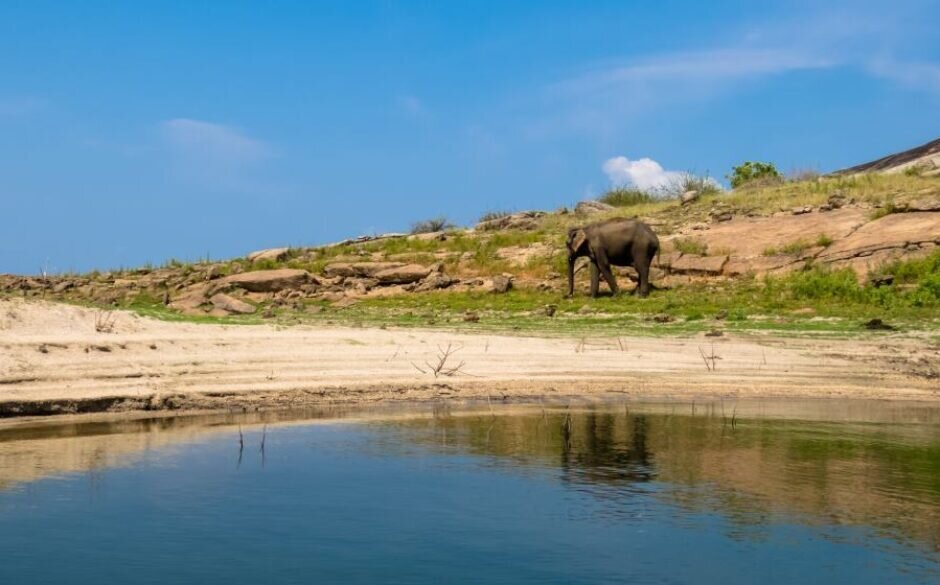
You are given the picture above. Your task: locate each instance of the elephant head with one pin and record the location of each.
(577, 244)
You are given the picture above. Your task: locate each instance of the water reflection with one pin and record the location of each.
(885, 476)
(823, 465)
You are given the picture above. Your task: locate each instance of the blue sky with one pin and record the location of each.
(134, 132)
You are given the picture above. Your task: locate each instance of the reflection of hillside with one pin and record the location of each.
(29, 453)
(844, 474)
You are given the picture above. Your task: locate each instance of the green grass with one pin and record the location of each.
(625, 197)
(688, 246)
(792, 248)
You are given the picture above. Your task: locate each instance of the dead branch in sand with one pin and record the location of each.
(709, 360)
(441, 368)
(104, 321)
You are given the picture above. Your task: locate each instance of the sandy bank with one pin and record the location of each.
(52, 360)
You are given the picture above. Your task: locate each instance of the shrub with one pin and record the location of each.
(824, 240)
(625, 197)
(754, 172)
(428, 226)
(704, 184)
(820, 283)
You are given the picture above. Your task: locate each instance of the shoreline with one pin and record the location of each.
(53, 361)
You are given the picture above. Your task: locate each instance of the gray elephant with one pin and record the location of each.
(617, 242)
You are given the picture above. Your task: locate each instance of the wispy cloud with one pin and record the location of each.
(411, 105)
(919, 76)
(215, 155)
(608, 96)
(709, 66)
(217, 142)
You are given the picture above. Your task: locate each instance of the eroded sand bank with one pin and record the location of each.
(52, 360)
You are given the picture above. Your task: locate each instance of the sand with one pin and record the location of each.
(52, 360)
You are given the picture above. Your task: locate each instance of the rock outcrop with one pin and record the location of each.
(925, 158)
(268, 280)
(272, 254)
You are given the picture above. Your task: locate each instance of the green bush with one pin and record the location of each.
(754, 172)
(625, 197)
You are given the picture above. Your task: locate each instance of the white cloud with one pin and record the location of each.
(645, 173)
(213, 142)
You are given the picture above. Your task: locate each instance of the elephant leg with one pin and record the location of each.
(595, 280)
(604, 266)
(643, 269)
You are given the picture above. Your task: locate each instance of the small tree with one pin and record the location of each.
(753, 171)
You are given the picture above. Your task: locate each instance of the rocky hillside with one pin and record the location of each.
(922, 160)
(862, 222)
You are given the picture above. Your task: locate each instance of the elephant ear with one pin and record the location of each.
(577, 240)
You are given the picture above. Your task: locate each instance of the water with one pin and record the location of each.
(632, 493)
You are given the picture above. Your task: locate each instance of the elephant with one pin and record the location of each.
(617, 242)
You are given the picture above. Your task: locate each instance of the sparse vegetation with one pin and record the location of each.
(689, 246)
(427, 226)
(805, 174)
(793, 248)
(491, 215)
(824, 241)
(704, 184)
(625, 197)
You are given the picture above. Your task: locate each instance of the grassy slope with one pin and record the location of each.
(814, 302)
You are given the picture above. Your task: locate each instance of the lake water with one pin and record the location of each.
(817, 492)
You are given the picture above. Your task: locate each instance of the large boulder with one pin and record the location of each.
(272, 254)
(232, 305)
(402, 274)
(268, 280)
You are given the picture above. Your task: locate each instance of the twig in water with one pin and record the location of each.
(241, 446)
